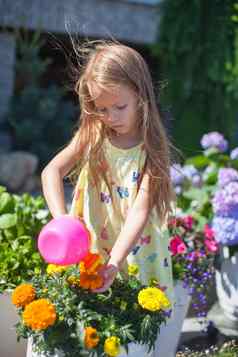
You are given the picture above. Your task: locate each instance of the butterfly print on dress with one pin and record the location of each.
(106, 198)
(123, 192)
(135, 176)
(104, 234)
(145, 240)
(135, 250)
(152, 257)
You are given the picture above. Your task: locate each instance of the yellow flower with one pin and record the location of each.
(133, 269)
(91, 337)
(53, 269)
(153, 299)
(23, 295)
(39, 314)
(73, 280)
(112, 346)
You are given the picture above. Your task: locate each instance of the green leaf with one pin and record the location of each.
(8, 220)
(197, 194)
(198, 161)
(6, 203)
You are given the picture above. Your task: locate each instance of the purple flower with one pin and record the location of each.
(227, 175)
(214, 140)
(178, 190)
(234, 154)
(191, 173)
(226, 230)
(225, 201)
(176, 173)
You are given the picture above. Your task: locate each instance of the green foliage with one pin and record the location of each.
(197, 201)
(42, 121)
(29, 67)
(21, 219)
(197, 46)
(41, 118)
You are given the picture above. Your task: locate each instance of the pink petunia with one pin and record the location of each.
(177, 246)
(208, 232)
(188, 222)
(211, 245)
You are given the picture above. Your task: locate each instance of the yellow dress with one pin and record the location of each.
(105, 221)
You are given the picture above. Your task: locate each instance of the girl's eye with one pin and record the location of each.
(103, 110)
(122, 107)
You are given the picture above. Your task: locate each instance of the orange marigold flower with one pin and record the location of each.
(91, 337)
(39, 314)
(90, 263)
(23, 295)
(90, 281)
(82, 268)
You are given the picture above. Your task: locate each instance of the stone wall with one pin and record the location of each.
(130, 21)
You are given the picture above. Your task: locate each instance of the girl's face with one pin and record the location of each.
(117, 107)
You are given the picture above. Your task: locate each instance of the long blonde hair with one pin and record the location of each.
(110, 63)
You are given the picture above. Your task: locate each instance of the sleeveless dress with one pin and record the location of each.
(105, 220)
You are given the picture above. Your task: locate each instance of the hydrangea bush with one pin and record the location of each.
(207, 188)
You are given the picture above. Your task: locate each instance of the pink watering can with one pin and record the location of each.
(64, 241)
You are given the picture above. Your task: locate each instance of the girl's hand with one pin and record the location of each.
(108, 273)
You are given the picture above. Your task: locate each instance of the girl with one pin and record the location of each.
(121, 156)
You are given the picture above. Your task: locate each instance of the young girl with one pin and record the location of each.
(122, 157)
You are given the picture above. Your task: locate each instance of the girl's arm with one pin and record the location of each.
(52, 178)
(134, 225)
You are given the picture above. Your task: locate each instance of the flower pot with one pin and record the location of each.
(9, 346)
(227, 285)
(169, 336)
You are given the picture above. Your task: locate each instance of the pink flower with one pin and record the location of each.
(177, 246)
(208, 232)
(188, 222)
(211, 245)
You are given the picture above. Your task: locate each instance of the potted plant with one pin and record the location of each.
(225, 225)
(21, 218)
(60, 312)
(193, 252)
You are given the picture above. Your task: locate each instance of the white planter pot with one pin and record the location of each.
(170, 334)
(9, 347)
(227, 286)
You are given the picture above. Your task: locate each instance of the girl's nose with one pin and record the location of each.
(112, 117)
